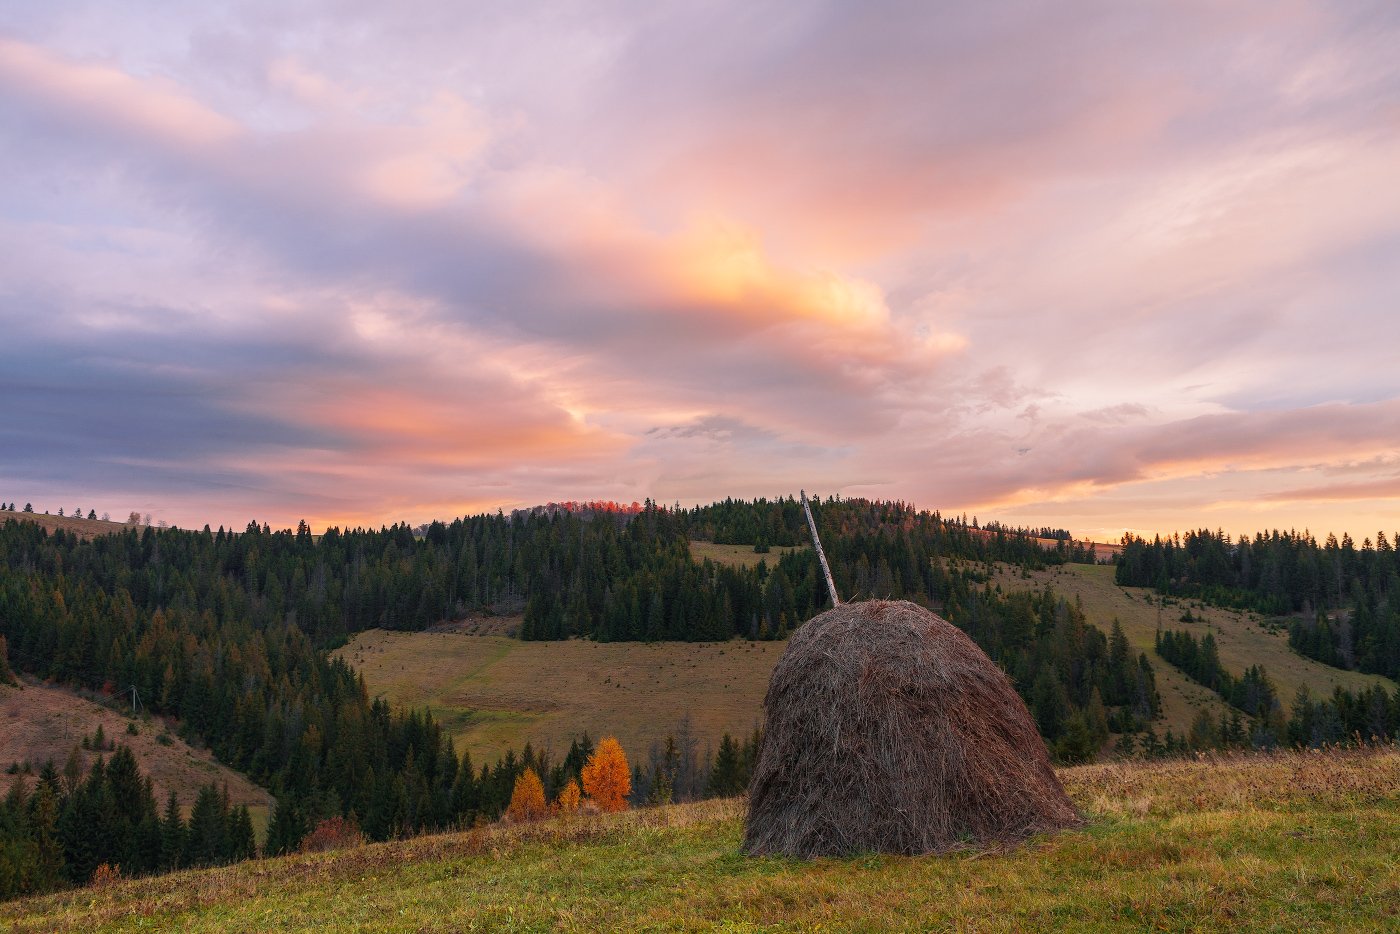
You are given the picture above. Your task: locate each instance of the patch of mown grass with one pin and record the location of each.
(1294, 841)
(492, 693)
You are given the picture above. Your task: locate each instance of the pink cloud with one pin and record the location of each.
(1035, 261)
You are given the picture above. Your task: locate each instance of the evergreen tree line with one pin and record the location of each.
(676, 771)
(607, 575)
(1345, 717)
(878, 549)
(1365, 716)
(1253, 692)
(1348, 596)
(780, 522)
(61, 831)
(1365, 637)
(1079, 684)
(68, 825)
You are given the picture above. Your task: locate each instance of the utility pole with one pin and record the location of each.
(821, 555)
(135, 701)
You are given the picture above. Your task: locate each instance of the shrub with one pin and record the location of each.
(106, 874)
(333, 833)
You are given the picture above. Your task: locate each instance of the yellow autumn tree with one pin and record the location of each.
(607, 780)
(567, 802)
(527, 800)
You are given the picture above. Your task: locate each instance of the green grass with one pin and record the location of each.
(742, 556)
(1286, 842)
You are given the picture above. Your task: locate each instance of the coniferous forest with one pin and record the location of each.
(228, 633)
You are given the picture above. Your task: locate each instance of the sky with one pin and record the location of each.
(1099, 265)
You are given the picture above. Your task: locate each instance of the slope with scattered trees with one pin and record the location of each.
(1346, 598)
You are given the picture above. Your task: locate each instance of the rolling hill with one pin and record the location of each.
(84, 528)
(1243, 638)
(493, 692)
(1293, 841)
(39, 722)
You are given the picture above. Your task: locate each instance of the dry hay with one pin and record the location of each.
(888, 730)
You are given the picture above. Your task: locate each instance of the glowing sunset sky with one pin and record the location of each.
(1098, 265)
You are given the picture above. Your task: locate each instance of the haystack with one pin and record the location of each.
(888, 730)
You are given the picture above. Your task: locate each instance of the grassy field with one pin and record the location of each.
(492, 692)
(1243, 638)
(39, 722)
(1291, 842)
(85, 528)
(742, 556)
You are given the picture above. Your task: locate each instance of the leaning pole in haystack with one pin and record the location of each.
(888, 730)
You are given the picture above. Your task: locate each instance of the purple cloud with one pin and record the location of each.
(359, 262)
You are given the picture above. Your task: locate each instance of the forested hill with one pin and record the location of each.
(1347, 598)
(227, 632)
(611, 576)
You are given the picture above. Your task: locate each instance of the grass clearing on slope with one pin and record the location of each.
(83, 528)
(41, 722)
(492, 692)
(1242, 639)
(742, 556)
(1285, 842)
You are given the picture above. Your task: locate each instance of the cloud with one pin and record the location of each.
(1388, 488)
(382, 262)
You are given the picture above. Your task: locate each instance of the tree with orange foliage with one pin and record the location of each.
(527, 800)
(567, 802)
(607, 780)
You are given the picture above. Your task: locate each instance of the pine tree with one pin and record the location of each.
(242, 842)
(48, 868)
(172, 835)
(725, 776)
(6, 675)
(287, 827)
(206, 843)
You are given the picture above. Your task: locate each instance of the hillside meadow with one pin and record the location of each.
(493, 692)
(1284, 842)
(1243, 638)
(83, 528)
(39, 722)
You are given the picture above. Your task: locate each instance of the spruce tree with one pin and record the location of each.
(172, 835)
(725, 776)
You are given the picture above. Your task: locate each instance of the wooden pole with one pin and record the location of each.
(821, 555)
